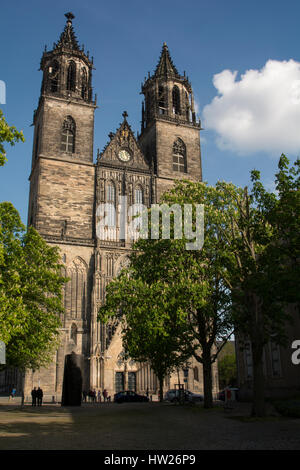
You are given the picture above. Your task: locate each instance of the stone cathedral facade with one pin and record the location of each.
(67, 186)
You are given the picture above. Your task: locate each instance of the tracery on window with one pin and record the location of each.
(68, 135)
(138, 195)
(83, 84)
(176, 100)
(161, 100)
(71, 77)
(111, 199)
(53, 76)
(179, 156)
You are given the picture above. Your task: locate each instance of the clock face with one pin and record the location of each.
(124, 156)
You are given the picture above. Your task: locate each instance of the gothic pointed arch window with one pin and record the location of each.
(176, 100)
(187, 107)
(68, 135)
(138, 195)
(77, 289)
(71, 76)
(148, 100)
(179, 156)
(84, 82)
(111, 199)
(53, 73)
(162, 105)
(73, 333)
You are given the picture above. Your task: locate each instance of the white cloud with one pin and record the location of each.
(258, 112)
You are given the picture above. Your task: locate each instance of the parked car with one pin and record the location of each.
(173, 396)
(129, 396)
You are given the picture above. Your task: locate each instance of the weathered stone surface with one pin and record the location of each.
(66, 189)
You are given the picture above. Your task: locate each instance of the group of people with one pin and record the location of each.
(37, 396)
(95, 396)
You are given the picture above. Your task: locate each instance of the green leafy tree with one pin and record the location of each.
(30, 293)
(262, 267)
(227, 370)
(205, 301)
(191, 305)
(149, 325)
(8, 134)
(30, 283)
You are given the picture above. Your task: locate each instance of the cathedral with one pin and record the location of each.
(67, 186)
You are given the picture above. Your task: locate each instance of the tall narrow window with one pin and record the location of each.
(176, 100)
(187, 107)
(83, 84)
(53, 72)
(148, 105)
(179, 156)
(68, 135)
(161, 100)
(111, 199)
(73, 334)
(71, 77)
(138, 195)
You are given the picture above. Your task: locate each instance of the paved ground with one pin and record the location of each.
(143, 426)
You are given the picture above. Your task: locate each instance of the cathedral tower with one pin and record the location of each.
(62, 190)
(63, 141)
(170, 134)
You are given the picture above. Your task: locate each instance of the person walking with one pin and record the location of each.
(34, 396)
(39, 394)
(99, 396)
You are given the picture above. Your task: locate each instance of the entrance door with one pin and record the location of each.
(119, 382)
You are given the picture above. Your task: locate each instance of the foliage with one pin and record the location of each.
(227, 370)
(245, 273)
(8, 134)
(30, 292)
(262, 273)
(176, 292)
(150, 326)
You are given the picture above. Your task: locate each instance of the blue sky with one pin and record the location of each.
(250, 118)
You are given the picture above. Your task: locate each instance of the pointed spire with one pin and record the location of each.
(165, 66)
(68, 39)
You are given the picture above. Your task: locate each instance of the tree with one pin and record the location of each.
(30, 283)
(30, 293)
(260, 270)
(206, 302)
(227, 370)
(191, 301)
(8, 134)
(244, 275)
(149, 326)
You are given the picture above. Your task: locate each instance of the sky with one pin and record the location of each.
(242, 58)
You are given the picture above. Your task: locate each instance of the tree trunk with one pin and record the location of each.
(258, 405)
(161, 388)
(257, 344)
(207, 381)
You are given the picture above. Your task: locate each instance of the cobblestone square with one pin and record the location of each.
(143, 426)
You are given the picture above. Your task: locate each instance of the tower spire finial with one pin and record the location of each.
(69, 17)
